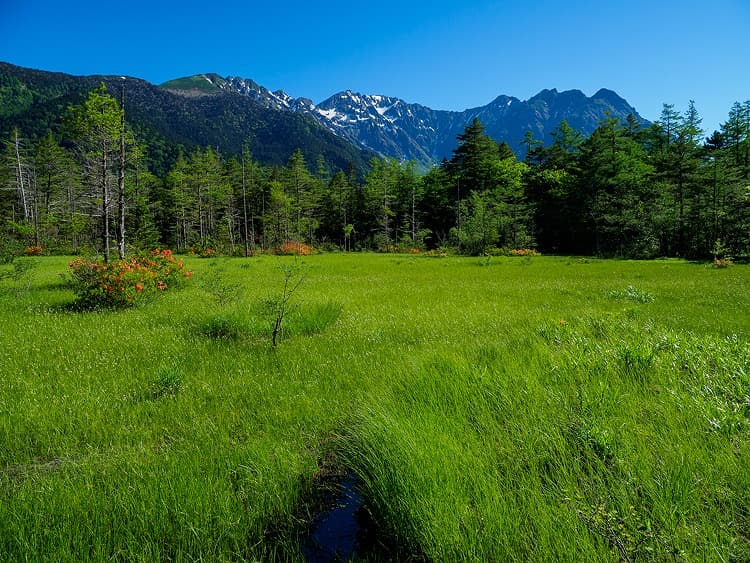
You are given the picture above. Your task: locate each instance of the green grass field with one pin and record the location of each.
(551, 409)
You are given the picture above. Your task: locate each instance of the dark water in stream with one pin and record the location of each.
(343, 531)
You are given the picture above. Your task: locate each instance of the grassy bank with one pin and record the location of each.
(544, 409)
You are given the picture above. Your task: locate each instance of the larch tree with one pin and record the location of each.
(58, 192)
(96, 126)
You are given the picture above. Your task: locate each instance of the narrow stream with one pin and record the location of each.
(342, 530)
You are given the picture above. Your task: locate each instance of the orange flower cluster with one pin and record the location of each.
(122, 282)
(34, 250)
(722, 262)
(523, 252)
(292, 248)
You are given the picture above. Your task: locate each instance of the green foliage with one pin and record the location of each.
(223, 327)
(630, 534)
(15, 95)
(479, 230)
(20, 273)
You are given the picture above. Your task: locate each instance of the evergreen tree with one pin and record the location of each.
(474, 158)
(478, 232)
(619, 204)
(58, 196)
(304, 193)
(95, 125)
(379, 194)
(566, 143)
(438, 204)
(551, 189)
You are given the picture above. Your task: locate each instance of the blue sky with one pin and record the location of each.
(443, 54)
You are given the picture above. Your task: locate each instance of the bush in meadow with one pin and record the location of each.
(124, 282)
(293, 248)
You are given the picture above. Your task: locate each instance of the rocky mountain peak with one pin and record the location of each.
(394, 128)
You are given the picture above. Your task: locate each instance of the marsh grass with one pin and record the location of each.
(254, 323)
(504, 412)
(631, 293)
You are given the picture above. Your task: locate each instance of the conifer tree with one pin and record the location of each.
(96, 126)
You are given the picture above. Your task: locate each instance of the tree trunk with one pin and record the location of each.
(19, 175)
(121, 180)
(105, 204)
(244, 206)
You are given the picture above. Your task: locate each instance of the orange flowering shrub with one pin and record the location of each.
(523, 252)
(123, 282)
(296, 248)
(34, 250)
(722, 262)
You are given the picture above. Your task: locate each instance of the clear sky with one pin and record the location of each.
(446, 54)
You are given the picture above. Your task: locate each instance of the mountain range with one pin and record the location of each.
(394, 128)
(346, 129)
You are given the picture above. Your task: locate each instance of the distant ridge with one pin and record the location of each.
(35, 101)
(394, 128)
(346, 129)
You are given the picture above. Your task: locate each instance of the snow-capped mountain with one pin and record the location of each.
(386, 125)
(394, 128)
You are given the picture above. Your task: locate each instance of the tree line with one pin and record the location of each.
(625, 190)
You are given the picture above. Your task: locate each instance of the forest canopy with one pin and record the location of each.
(626, 191)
